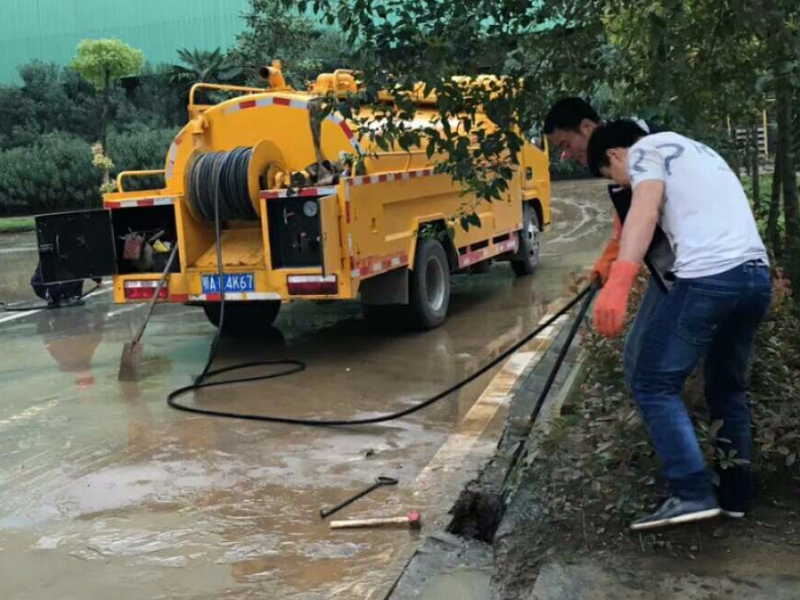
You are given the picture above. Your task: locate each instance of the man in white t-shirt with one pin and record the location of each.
(720, 295)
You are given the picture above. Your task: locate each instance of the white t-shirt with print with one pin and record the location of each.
(706, 215)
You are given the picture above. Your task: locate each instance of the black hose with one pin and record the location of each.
(218, 183)
(295, 366)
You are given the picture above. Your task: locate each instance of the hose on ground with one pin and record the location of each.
(295, 366)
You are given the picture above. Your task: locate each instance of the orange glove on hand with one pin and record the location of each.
(612, 302)
(602, 265)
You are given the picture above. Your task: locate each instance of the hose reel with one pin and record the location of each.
(237, 177)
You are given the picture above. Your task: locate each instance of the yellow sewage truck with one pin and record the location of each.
(300, 217)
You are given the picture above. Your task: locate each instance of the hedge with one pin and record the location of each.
(56, 171)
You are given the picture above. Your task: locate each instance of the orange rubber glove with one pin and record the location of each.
(603, 264)
(612, 302)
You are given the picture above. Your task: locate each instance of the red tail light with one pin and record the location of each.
(312, 285)
(144, 290)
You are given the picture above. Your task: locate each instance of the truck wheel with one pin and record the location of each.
(429, 285)
(243, 318)
(527, 258)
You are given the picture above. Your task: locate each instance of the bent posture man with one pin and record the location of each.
(568, 126)
(720, 295)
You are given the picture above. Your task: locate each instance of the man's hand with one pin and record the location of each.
(602, 265)
(612, 302)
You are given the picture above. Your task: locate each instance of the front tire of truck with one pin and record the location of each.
(429, 285)
(527, 258)
(243, 318)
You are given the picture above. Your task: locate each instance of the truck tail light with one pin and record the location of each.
(144, 290)
(312, 285)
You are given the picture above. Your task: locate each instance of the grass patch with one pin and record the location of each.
(17, 224)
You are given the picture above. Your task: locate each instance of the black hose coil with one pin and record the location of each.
(222, 175)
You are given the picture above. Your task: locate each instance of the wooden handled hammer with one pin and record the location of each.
(412, 520)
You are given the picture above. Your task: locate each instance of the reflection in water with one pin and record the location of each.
(71, 336)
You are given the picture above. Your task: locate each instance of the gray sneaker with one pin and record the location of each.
(675, 511)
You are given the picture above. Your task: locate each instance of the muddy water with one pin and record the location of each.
(106, 491)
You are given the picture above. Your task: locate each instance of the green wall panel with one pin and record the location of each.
(50, 30)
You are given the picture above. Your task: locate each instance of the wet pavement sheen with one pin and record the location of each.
(105, 491)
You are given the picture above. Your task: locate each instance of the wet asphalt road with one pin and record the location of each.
(107, 492)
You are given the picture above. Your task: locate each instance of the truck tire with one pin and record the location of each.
(244, 318)
(429, 285)
(527, 258)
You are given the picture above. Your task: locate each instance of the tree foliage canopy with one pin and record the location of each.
(103, 62)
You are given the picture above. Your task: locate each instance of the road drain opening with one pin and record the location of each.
(476, 514)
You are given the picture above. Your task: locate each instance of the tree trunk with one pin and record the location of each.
(791, 216)
(104, 114)
(754, 170)
(773, 235)
(735, 159)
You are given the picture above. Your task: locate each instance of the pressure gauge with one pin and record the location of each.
(310, 208)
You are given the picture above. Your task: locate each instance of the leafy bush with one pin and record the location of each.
(51, 98)
(54, 173)
(140, 149)
(775, 385)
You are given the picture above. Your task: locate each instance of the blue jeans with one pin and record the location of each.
(715, 317)
(633, 342)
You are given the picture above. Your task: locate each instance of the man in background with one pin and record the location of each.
(568, 126)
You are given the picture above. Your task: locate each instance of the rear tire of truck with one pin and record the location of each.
(243, 318)
(429, 285)
(527, 258)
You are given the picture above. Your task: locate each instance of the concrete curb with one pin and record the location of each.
(478, 513)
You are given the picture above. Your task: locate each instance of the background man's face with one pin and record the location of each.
(572, 144)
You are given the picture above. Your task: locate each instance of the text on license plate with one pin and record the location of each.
(234, 282)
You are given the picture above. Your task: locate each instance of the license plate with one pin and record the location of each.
(234, 282)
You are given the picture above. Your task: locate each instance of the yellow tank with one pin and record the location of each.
(357, 234)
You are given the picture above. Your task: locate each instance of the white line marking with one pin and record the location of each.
(18, 249)
(28, 313)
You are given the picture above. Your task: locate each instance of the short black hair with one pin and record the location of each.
(568, 113)
(623, 133)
